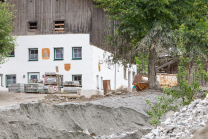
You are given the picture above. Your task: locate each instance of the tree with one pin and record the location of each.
(153, 27)
(7, 42)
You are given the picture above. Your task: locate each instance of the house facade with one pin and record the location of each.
(66, 37)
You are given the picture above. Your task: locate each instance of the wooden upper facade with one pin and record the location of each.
(40, 17)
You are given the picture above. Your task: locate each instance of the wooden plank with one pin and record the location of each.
(80, 16)
(59, 28)
(168, 63)
(62, 4)
(59, 24)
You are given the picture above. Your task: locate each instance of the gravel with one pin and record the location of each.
(136, 102)
(184, 123)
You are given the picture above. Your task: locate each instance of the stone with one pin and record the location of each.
(199, 106)
(172, 135)
(184, 109)
(155, 131)
(197, 101)
(176, 114)
(183, 115)
(202, 124)
(191, 106)
(181, 123)
(169, 129)
(150, 135)
(170, 114)
(184, 123)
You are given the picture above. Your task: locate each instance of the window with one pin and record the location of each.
(10, 79)
(11, 54)
(1, 75)
(33, 54)
(33, 76)
(97, 77)
(33, 26)
(77, 78)
(58, 53)
(125, 73)
(77, 53)
(59, 26)
(101, 83)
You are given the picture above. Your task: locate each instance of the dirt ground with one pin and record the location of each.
(10, 98)
(116, 116)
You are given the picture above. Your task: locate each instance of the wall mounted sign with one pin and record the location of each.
(99, 67)
(67, 67)
(45, 53)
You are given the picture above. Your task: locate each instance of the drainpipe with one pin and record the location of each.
(114, 29)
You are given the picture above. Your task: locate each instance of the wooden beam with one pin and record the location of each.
(167, 64)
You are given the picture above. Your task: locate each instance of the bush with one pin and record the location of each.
(163, 105)
(185, 90)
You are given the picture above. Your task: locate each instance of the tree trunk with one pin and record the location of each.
(152, 70)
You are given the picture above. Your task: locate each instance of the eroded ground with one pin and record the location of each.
(58, 116)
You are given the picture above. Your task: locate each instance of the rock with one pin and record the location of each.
(155, 131)
(199, 106)
(172, 135)
(202, 124)
(184, 123)
(183, 115)
(150, 136)
(176, 114)
(197, 101)
(170, 114)
(169, 129)
(195, 112)
(86, 132)
(184, 109)
(190, 106)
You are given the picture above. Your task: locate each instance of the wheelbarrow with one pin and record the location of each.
(141, 86)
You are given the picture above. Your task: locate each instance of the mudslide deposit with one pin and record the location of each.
(68, 121)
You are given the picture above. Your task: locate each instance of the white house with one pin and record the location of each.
(43, 48)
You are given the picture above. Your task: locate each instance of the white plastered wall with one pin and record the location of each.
(87, 67)
(109, 73)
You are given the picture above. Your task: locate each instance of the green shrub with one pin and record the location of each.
(163, 105)
(185, 90)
